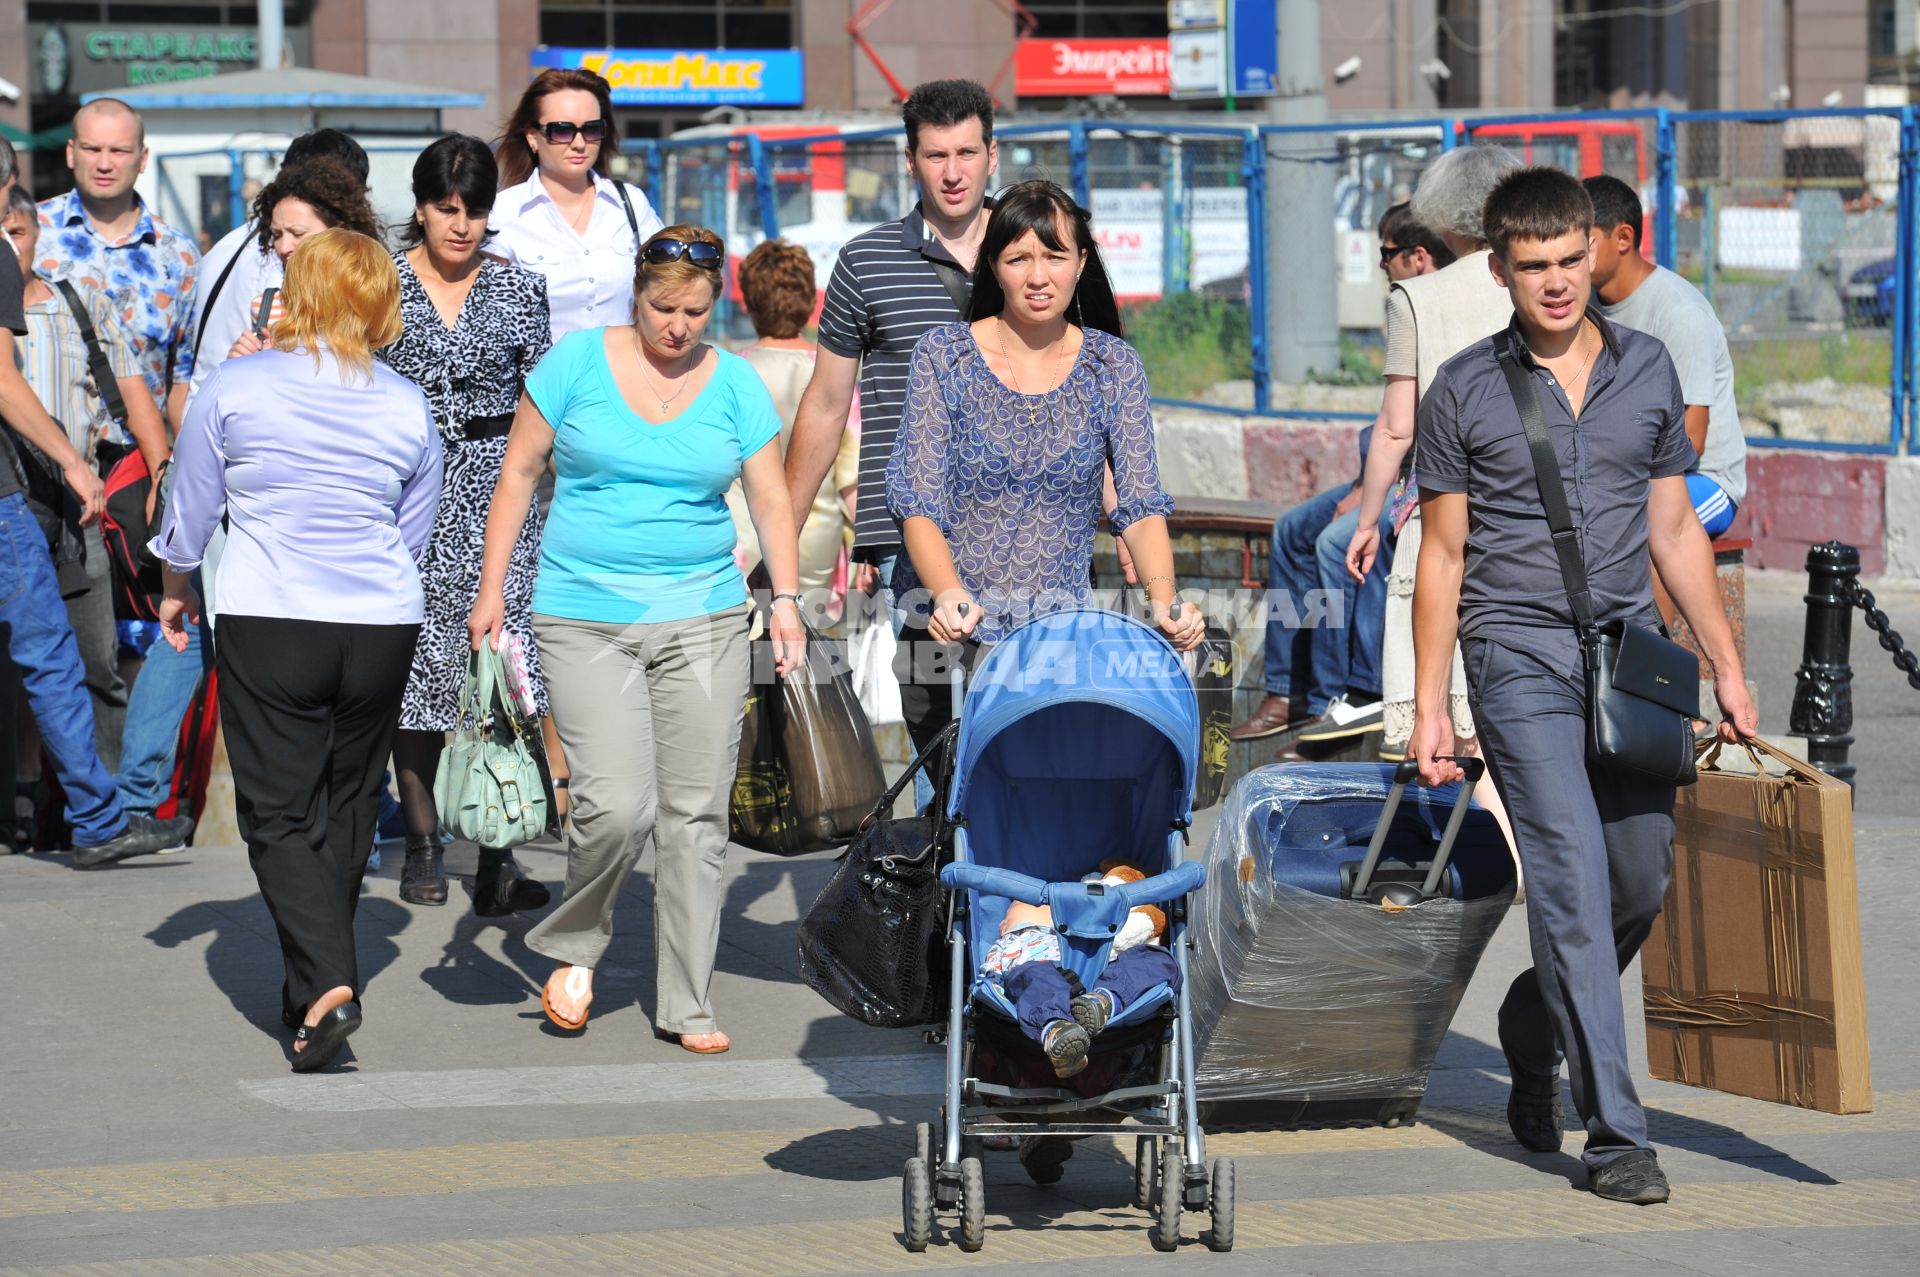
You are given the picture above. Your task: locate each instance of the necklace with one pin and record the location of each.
(1033, 412)
(686, 374)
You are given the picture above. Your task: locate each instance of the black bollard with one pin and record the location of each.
(1823, 686)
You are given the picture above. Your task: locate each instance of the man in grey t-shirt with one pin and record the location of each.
(1634, 293)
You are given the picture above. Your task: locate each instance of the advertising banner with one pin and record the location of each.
(689, 77)
(1075, 68)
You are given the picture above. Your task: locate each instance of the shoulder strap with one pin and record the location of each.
(98, 364)
(1553, 490)
(266, 309)
(626, 202)
(955, 281)
(214, 296)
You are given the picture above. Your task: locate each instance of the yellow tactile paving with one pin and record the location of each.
(252, 1181)
(872, 1246)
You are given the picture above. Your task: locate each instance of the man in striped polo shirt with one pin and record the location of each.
(889, 286)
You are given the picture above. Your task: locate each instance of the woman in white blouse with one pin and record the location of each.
(558, 213)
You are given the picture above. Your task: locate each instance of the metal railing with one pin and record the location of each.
(1798, 226)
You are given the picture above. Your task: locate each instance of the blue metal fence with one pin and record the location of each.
(1799, 226)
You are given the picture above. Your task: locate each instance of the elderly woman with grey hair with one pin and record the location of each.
(1430, 318)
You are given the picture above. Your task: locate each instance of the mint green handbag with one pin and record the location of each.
(489, 788)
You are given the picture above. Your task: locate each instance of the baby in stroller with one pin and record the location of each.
(1051, 1007)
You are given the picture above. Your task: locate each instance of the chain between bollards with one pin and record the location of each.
(1904, 658)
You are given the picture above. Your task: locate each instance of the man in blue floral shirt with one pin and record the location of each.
(101, 234)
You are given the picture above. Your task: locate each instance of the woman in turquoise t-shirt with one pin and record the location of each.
(641, 615)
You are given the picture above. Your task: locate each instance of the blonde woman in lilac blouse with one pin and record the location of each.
(326, 465)
(1013, 423)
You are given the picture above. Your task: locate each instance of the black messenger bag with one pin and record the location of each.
(1643, 689)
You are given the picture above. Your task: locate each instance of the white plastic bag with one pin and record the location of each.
(871, 652)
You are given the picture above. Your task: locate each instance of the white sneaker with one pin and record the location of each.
(1342, 719)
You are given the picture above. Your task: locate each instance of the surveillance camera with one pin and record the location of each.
(1346, 70)
(9, 90)
(1834, 98)
(1435, 69)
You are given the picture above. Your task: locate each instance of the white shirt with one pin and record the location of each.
(590, 276)
(254, 269)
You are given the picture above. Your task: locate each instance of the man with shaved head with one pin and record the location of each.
(101, 234)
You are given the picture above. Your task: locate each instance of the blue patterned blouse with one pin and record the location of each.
(1014, 480)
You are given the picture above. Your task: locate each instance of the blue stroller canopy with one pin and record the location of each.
(1080, 730)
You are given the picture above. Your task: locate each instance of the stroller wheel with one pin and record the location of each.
(973, 1204)
(1166, 1207)
(923, 1142)
(916, 1205)
(1220, 1206)
(1146, 1161)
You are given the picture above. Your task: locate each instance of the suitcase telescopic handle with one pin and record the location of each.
(1407, 772)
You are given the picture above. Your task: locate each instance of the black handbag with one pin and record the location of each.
(873, 944)
(1643, 689)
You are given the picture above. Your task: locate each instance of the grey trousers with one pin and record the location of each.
(649, 716)
(1598, 853)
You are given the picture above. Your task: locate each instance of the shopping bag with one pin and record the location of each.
(1752, 975)
(870, 653)
(1212, 667)
(873, 943)
(809, 771)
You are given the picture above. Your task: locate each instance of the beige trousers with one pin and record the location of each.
(1396, 656)
(649, 716)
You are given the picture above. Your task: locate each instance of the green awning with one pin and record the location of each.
(45, 140)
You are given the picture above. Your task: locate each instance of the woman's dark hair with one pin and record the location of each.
(333, 145)
(1039, 207)
(455, 165)
(325, 186)
(516, 160)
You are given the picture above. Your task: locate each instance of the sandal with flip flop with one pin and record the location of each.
(324, 1040)
(579, 984)
(680, 1040)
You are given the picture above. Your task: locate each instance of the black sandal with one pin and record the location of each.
(324, 1040)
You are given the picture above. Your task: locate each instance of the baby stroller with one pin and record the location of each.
(1079, 738)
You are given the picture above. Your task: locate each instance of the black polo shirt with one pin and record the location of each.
(883, 296)
(1631, 431)
(13, 318)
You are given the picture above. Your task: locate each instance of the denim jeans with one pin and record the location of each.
(1354, 667)
(1292, 573)
(42, 645)
(155, 711)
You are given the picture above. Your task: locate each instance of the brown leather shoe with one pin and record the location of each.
(1269, 718)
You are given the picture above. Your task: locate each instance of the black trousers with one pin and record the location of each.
(309, 709)
(925, 670)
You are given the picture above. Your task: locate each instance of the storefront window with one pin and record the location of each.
(661, 24)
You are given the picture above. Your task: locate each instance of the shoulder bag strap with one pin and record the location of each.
(212, 297)
(1553, 492)
(265, 312)
(633, 222)
(98, 364)
(955, 281)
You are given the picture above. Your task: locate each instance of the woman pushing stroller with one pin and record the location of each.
(1021, 429)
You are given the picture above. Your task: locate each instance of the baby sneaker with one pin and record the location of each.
(1066, 1043)
(1091, 1011)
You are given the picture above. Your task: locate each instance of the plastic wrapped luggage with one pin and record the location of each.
(1322, 984)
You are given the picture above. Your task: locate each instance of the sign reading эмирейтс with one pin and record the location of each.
(689, 77)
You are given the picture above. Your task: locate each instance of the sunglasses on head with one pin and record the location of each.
(561, 132)
(1389, 251)
(699, 252)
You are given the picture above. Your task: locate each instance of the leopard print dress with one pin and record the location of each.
(470, 371)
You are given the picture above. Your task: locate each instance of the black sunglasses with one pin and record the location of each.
(661, 251)
(561, 132)
(1389, 252)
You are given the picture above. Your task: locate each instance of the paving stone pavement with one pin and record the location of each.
(149, 1124)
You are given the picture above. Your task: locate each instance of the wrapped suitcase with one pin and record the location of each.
(1344, 913)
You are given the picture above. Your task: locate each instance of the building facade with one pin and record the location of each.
(1099, 56)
